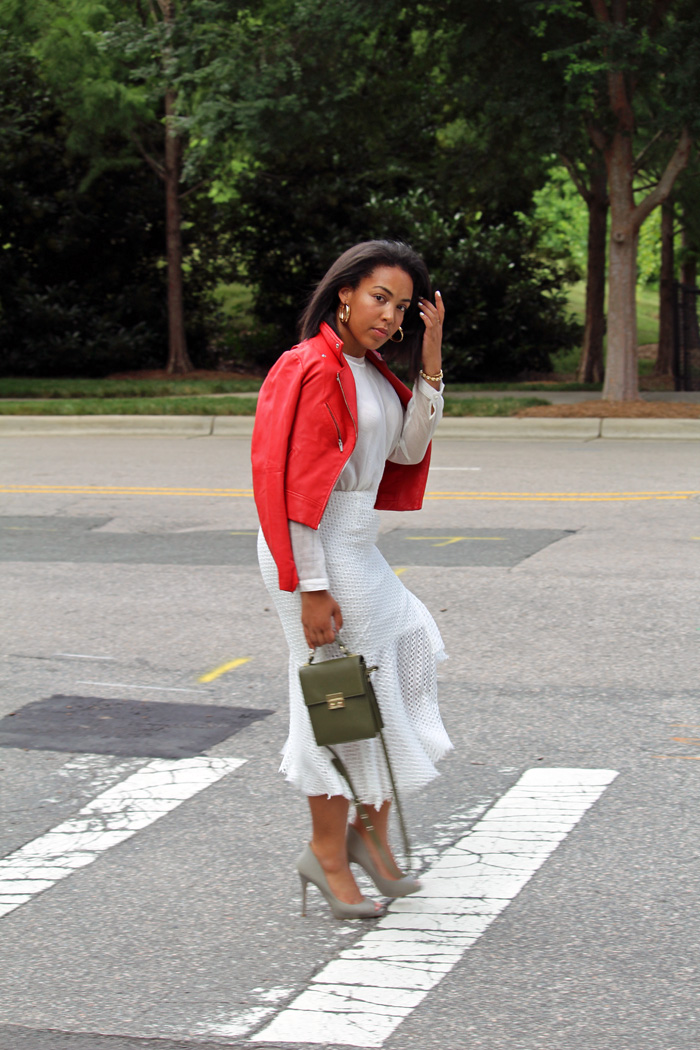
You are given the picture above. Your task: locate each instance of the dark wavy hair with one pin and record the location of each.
(349, 269)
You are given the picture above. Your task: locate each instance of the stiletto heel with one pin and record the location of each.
(359, 854)
(310, 870)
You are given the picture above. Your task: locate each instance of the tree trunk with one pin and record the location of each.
(689, 279)
(178, 358)
(689, 267)
(591, 368)
(664, 354)
(621, 379)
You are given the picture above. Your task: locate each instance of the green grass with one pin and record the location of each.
(489, 406)
(223, 406)
(648, 326)
(535, 387)
(133, 406)
(123, 388)
(647, 310)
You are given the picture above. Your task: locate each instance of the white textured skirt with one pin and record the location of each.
(391, 628)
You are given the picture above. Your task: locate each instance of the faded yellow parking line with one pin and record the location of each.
(447, 540)
(224, 669)
(243, 493)
(683, 758)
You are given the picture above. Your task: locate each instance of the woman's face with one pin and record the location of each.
(377, 307)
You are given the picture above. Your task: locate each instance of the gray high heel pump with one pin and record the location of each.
(310, 870)
(359, 854)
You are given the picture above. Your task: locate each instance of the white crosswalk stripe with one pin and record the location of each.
(361, 997)
(112, 817)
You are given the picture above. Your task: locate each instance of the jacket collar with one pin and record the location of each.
(332, 340)
(335, 343)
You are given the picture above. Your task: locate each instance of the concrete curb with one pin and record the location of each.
(466, 428)
(652, 429)
(233, 426)
(509, 428)
(136, 426)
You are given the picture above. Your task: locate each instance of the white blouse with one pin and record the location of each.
(385, 432)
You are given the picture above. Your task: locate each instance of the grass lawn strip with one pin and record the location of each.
(123, 388)
(133, 406)
(227, 406)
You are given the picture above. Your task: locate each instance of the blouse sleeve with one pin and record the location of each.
(309, 557)
(423, 413)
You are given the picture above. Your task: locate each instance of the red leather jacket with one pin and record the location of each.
(305, 431)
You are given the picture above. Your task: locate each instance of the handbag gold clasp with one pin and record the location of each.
(335, 701)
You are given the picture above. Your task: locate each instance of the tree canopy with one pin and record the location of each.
(256, 141)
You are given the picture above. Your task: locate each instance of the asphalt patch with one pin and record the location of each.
(466, 547)
(82, 541)
(133, 728)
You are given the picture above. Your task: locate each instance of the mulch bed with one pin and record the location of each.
(618, 409)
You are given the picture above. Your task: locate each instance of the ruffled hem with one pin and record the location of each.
(393, 630)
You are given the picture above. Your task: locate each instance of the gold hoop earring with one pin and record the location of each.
(399, 332)
(344, 313)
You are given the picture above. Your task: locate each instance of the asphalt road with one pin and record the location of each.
(148, 886)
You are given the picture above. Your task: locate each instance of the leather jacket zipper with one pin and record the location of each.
(340, 384)
(340, 440)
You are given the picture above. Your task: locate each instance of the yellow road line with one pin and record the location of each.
(224, 669)
(401, 571)
(238, 493)
(560, 497)
(122, 490)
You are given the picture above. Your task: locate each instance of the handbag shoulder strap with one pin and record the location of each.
(363, 811)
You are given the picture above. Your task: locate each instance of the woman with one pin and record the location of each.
(337, 435)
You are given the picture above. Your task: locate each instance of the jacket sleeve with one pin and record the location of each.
(274, 420)
(309, 557)
(422, 415)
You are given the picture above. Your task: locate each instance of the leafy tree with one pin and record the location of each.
(82, 282)
(634, 77)
(383, 145)
(81, 288)
(122, 72)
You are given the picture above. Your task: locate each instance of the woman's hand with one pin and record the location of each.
(433, 316)
(321, 617)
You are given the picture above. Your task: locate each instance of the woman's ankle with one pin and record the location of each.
(332, 860)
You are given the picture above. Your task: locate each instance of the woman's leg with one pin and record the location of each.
(329, 818)
(380, 823)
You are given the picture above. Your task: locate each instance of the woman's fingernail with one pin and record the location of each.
(439, 293)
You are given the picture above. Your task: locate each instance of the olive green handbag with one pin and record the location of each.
(340, 698)
(343, 707)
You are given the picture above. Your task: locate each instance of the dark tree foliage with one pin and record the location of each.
(82, 286)
(323, 125)
(375, 143)
(505, 301)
